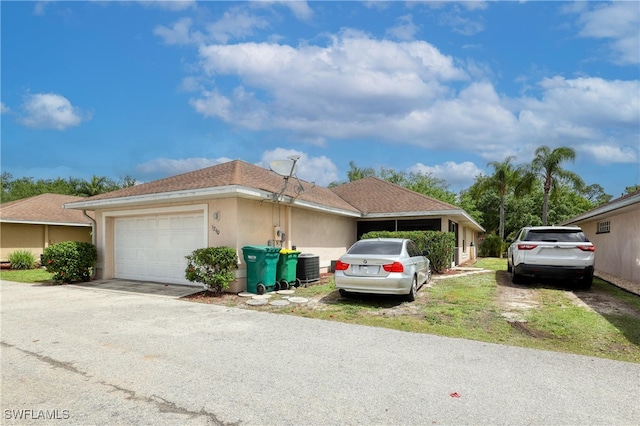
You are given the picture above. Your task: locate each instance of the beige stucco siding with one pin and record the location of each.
(327, 236)
(36, 237)
(617, 251)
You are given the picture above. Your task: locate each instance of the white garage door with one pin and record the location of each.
(152, 248)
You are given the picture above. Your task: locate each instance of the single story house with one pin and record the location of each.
(144, 232)
(37, 222)
(614, 229)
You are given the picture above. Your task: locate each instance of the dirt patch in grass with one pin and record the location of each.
(516, 299)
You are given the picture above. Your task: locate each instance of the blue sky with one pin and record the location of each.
(153, 89)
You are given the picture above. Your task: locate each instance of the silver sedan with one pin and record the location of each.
(383, 266)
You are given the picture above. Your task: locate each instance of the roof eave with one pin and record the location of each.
(456, 212)
(598, 211)
(41, 222)
(169, 197)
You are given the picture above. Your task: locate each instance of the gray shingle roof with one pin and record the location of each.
(372, 195)
(233, 173)
(43, 208)
(368, 196)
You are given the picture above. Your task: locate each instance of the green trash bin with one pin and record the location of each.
(286, 269)
(261, 268)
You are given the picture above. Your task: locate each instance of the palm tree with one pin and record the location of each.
(96, 186)
(356, 172)
(506, 177)
(547, 164)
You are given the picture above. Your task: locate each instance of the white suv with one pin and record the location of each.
(552, 252)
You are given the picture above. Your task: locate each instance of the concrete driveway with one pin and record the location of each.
(128, 286)
(87, 356)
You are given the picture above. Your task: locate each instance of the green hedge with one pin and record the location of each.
(70, 261)
(212, 266)
(441, 245)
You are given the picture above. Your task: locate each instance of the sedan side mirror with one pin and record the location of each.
(425, 253)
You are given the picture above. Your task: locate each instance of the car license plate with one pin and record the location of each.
(369, 269)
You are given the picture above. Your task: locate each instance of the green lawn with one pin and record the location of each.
(26, 276)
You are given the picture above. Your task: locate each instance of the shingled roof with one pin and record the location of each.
(44, 209)
(365, 197)
(371, 195)
(235, 173)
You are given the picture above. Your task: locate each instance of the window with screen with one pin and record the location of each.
(604, 227)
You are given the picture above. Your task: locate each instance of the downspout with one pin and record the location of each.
(93, 237)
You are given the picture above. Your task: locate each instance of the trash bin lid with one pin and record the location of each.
(262, 248)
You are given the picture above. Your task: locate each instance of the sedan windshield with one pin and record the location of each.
(376, 247)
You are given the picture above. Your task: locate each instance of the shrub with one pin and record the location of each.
(212, 266)
(22, 259)
(70, 261)
(491, 246)
(439, 244)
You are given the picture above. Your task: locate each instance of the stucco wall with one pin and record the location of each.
(618, 251)
(327, 236)
(35, 238)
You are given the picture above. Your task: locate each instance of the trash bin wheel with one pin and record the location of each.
(284, 285)
(298, 282)
(261, 288)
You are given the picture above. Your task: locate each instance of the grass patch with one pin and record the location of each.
(574, 329)
(491, 263)
(26, 276)
(468, 307)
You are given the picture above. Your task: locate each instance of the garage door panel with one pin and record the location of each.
(153, 248)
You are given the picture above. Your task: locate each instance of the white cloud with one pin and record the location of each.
(457, 175)
(617, 22)
(172, 5)
(582, 110)
(4, 109)
(359, 87)
(178, 34)
(338, 89)
(236, 23)
(320, 170)
(171, 167)
(51, 111)
(610, 154)
(300, 9)
(405, 29)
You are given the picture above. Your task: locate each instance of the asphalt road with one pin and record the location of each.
(87, 356)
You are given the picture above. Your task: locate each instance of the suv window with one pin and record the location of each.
(556, 235)
(376, 247)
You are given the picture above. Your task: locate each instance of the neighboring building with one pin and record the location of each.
(614, 229)
(37, 222)
(145, 231)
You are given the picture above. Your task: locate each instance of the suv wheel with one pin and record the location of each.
(586, 281)
(515, 278)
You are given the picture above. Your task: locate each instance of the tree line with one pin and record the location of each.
(542, 192)
(19, 188)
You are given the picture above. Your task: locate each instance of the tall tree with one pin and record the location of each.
(356, 172)
(505, 179)
(548, 164)
(97, 185)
